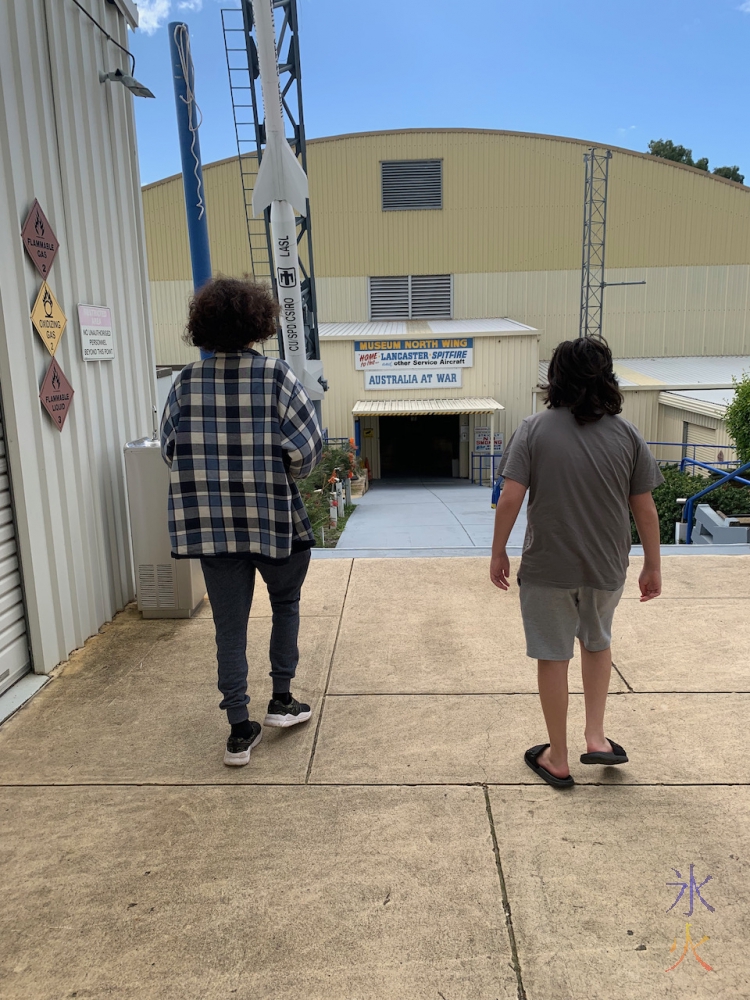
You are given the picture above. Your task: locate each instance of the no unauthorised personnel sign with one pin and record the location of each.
(56, 394)
(48, 318)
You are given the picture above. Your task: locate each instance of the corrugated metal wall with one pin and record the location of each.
(679, 311)
(505, 368)
(69, 141)
(510, 232)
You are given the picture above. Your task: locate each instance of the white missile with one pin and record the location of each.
(282, 184)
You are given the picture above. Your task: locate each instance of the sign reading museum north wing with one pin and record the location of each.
(433, 355)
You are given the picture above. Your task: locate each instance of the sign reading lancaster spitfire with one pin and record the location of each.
(39, 241)
(48, 318)
(56, 394)
(433, 354)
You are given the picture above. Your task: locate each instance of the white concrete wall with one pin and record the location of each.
(69, 141)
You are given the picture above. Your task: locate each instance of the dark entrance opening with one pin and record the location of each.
(418, 446)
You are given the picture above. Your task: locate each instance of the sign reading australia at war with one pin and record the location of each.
(39, 241)
(432, 355)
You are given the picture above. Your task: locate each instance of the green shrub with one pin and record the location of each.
(730, 499)
(315, 490)
(738, 417)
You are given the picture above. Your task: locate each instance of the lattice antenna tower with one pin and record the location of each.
(594, 243)
(247, 107)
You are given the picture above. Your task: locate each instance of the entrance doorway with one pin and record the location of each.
(419, 446)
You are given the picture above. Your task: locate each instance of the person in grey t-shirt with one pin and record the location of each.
(584, 467)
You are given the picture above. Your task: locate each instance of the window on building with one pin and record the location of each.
(411, 184)
(412, 296)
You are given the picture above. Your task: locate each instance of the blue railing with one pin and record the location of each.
(481, 460)
(338, 442)
(684, 446)
(710, 468)
(690, 505)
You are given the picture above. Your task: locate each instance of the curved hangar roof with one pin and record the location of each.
(511, 201)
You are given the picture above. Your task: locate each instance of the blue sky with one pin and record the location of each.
(620, 72)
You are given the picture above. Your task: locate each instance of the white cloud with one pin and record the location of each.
(154, 13)
(745, 7)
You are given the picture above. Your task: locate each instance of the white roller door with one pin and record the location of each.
(14, 647)
(695, 434)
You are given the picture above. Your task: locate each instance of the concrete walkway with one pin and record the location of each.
(424, 517)
(396, 848)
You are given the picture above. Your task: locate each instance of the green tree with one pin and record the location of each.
(731, 173)
(702, 164)
(667, 150)
(737, 417)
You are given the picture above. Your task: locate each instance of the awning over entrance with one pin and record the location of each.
(410, 407)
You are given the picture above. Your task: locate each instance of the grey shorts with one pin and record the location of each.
(554, 618)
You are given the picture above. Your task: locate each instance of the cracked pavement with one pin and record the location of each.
(397, 846)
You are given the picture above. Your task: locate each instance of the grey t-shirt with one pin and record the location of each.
(579, 480)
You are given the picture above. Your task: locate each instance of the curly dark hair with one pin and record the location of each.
(227, 314)
(581, 377)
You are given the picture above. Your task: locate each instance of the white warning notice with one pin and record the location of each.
(97, 338)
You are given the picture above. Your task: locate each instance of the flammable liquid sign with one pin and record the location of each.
(56, 394)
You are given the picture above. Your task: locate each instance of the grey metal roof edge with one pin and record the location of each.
(693, 405)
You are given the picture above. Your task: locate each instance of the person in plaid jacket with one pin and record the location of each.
(238, 429)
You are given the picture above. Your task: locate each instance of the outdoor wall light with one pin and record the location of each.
(132, 84)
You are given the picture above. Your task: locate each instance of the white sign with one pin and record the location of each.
(482, 438)
(444, 379)
(97, 339)
(414, 355)
(499, 442)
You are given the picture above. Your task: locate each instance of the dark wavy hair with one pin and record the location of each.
(227, 314)
(581, 377)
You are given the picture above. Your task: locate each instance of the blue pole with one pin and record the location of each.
(183, 75)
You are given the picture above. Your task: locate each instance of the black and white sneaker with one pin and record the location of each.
(289, 714)
(237, 753)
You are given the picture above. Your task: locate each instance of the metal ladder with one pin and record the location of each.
(243, 70)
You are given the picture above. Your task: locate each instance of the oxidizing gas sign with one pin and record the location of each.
(431, 355)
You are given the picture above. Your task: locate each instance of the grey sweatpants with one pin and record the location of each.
(230, 583)
(553, 618)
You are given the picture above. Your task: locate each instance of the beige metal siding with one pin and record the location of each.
(70, 141)
(511, 203)
(169, 305)
(641, 407)
(509, 232)
(505, 368)
(671, 427)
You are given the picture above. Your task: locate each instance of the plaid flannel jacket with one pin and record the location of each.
(237, 430)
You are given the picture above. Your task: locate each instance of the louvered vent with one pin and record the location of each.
(389, 298)
(431, 296)
(417, 296)
(411, 184)
(147, 586)
(165, 580)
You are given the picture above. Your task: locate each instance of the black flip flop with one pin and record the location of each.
(618, 756)
(531, 759)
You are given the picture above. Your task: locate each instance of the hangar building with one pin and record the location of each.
(448, 265)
